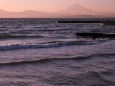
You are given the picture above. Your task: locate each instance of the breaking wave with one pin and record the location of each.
(52, 44)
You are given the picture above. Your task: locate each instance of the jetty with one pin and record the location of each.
(96, 35)
(103, 21)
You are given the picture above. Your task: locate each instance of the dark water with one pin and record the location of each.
(41, 52)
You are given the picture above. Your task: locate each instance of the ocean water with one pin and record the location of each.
(41, 52)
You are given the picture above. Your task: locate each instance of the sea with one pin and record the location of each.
(42, 52)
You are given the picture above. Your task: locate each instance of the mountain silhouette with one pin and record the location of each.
(75, 10)
(78, 10)
(26, 14)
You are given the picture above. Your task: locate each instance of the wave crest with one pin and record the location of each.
(51, 44)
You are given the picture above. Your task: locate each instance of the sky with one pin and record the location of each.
(56, 5)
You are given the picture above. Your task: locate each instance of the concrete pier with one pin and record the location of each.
(96, 35)
(89, 20)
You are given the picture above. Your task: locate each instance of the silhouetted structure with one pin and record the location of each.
(96, 35)
(104, 21)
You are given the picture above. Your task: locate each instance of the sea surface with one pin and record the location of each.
(41, 52)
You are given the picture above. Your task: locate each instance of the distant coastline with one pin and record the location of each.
(75, 11)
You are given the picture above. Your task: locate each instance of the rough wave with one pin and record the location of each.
(42, 60)
(51, 44)
(51, 59)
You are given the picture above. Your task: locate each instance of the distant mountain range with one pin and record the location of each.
(71, 12)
